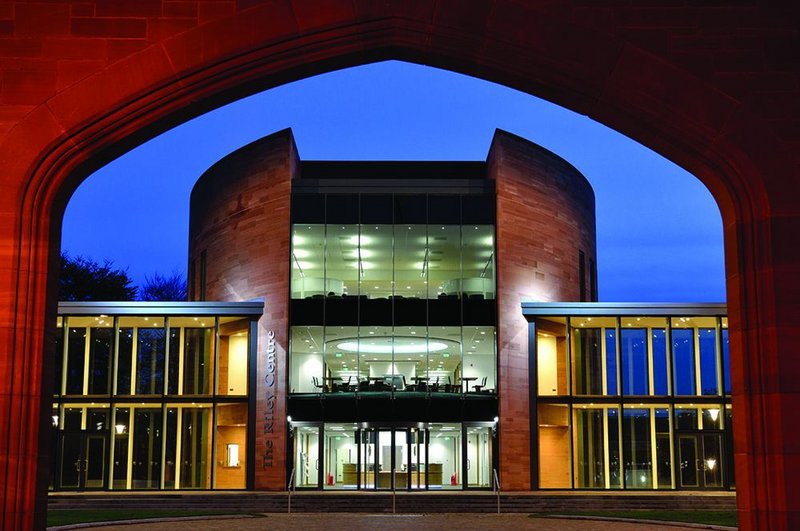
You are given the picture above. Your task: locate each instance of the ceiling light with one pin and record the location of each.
(399, 347)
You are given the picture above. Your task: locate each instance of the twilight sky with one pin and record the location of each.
(659, 232)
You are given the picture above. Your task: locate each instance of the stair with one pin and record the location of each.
(405, 502)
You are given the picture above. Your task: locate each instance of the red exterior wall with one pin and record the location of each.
(545, 216)
(240, 221)
(713, 86)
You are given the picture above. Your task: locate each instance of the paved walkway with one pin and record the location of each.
(400, 522)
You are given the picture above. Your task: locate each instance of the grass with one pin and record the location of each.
(725, 518)
(79, 516)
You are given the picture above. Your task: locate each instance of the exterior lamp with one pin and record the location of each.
(119, 429)
(494, 427)
(711, 464)
(291, 427)
(714, 414)
(55, 420)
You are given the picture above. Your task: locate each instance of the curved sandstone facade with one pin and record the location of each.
(239, 249)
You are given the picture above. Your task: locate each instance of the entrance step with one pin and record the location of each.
(405, 502)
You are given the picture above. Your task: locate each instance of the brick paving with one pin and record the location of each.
(400, 522)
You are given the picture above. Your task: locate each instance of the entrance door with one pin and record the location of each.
(306, 457)
(83, 460)
(479, 457)
(700, 459)
(385, 459)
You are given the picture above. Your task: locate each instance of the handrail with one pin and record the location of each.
(497, 488)
(289, 489)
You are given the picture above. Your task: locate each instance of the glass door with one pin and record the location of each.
(479, 457)
(419, 458)
(306, 457)
(700, 459)
(83, 460)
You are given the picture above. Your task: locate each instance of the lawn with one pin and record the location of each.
(76, 516)
(725, 518)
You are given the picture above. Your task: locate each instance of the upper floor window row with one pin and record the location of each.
(137, 355)
(633, 356)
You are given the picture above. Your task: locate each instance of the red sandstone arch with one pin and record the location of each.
(671, 78)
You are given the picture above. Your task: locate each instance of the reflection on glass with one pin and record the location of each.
(101, 343)
(612, 387)
(636, 448)
(195, 448)
(683, 368)
(663, 449)
(614, 460)
(635, 379)
(658, 338)
(686, 418)
(726, 356)
(121, 434)
(146, 448)
(707, 340)
(589, 448)
(587, 361)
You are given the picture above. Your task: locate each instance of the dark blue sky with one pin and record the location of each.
(659, 232)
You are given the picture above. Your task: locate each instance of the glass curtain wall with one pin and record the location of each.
(151, 402)
(633, 402)
(392, 293)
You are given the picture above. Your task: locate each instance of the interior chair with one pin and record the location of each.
(317, 384)
(480, 386)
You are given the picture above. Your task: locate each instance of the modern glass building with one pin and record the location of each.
(630, 396)
(153, 396)
(395, 347)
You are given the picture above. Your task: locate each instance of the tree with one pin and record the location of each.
(160, 287)
(83, 279)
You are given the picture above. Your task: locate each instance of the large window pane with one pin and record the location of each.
(658, 342)
(76, 354)
(479, 359)
(150, 352)
(124, 357)
(122, 461)
(478, 261)
(551, 356)
(197, 358)
(683, 362)
(234, 351)
(554, 446)
(636, 449)
(101, 345)
(709, 366)
(612, 384)
(308, 261)
(194, 430)
(231, 443)
(444, 457)
(635, 377)
(663, 448)
(726, 356)
(589, 448)
(588, 376)
(58, 359)
(146, 448)
(305, 347)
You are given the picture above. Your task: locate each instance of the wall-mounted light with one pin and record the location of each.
(291, 427)
(232, 454)
(120, 429)
(494, 427)
(711, 464)
(714, 414)
(55, 420)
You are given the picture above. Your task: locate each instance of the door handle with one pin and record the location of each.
(468, 464)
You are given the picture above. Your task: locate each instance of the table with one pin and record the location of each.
(467, 380)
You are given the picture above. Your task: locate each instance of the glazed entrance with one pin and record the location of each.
(431, 456)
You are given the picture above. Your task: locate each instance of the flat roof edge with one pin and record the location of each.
(248, 308)
(623, 308)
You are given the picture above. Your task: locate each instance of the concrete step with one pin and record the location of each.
(404, 502)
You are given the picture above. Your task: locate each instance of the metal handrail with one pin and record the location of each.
(497, 488)
(289, 489)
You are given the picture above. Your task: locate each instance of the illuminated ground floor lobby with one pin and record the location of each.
(621, 398)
